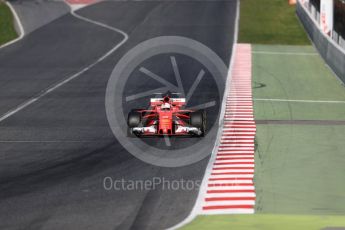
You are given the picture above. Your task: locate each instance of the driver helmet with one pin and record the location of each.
(165, 106)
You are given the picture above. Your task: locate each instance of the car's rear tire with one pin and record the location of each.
(198, 120)
(134, 119)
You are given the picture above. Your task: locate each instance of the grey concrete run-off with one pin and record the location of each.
(34, 14)
(332, 55)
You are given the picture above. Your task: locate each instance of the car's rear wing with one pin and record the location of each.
(174, 101)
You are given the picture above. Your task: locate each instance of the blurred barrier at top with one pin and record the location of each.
(330, 50)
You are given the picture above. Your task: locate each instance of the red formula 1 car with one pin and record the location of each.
(166, 118)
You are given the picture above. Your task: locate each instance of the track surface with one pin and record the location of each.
(55, 153)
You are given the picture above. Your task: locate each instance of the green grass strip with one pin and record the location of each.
(294, 77)
(267, 222)
(7, 30)
(270, 22)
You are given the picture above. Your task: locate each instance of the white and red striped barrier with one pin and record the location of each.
(230, 188)
(77, 4)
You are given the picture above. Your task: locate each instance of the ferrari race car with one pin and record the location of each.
(166, 118)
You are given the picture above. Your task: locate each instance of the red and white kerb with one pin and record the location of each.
(230, 188)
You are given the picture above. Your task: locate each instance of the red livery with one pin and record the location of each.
(166, 118)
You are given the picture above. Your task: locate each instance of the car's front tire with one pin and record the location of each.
(198, 120)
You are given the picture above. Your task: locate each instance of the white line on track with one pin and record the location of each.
(301, 101)
(70, 78)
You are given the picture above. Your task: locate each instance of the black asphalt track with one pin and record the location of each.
(56, 153)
